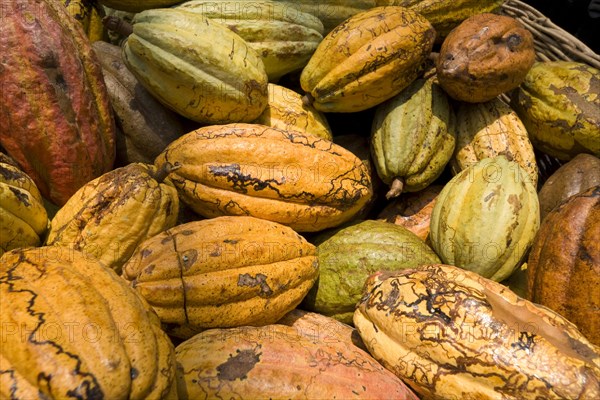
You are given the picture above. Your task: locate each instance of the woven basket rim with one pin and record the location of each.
(552, 43)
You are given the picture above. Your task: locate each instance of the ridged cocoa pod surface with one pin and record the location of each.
(490, 129)
(72, 328)
(222, 272)
(563, 268)
(486, 218)
(146, 125)
(108, 217)
(452, 334)
(559, 103)
(286, 111)
(485, 56)
(367, 59)
(283, 38)
(197, 67)
(293, 178)
(280, 362)
(56, 119)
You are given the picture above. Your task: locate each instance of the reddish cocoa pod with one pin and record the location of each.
(280, 362)
(486, 55)
(55, 118)
(564, 262)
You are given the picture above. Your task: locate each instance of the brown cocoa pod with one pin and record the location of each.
(486, 55)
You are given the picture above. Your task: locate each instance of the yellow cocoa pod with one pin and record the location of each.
(285, 110)
(108, 217)
(367, 59)
(559, 103)
(196, 66)
(283, 38)
(23, 218)
(450, 333)
(72, 328)
(223, 272)
(293, 178)
(489, 129)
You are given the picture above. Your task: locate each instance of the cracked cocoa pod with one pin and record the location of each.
(564, 262)
(222, 272)
(559, 103)
(108, 217)
(367, 59)
(73, 329)
(573, 177)
(452, 334)
(486, 218)
(56, 120)
(289, 177)
(485, 56)
(280, 362)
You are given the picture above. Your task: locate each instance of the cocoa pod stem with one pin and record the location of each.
(118, 25)
(164, 171)
(395, 188)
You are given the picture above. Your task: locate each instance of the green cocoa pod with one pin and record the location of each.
(485, 218)
(348, 255)
(413, 137)
(559, 103)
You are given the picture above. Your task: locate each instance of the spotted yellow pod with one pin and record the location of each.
(222, 272)
(108, 217)
(450, 333)
(367, 59)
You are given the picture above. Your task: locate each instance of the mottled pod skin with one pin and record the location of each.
(486, 218)
(73, 329)
(413, 137)
(195, 66)
(452, 334)
(563, 268)
(284, 39)
(280, 362)
(559, 103)
(489, 129)
(55, 118)
(223, 272)
(109, 216)
(347, 256)
(486, 55)
(575, 176)
(292, 178)
(285, 110)
(367, 59)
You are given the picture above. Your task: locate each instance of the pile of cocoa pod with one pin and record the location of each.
(373, 199)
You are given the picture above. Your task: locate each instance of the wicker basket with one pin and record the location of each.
(552, 43)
